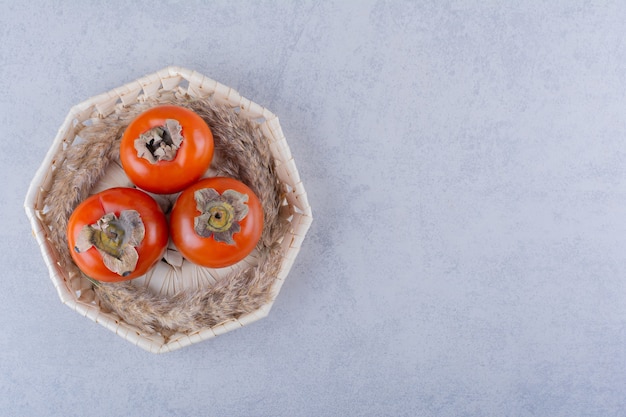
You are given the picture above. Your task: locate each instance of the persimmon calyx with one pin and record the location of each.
(115, 238)
(220, 213)
(161, 143)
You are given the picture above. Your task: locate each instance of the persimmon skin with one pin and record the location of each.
(206, 251)
(115, 200)
(192, 159)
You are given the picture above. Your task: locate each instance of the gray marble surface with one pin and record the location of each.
(465, 162)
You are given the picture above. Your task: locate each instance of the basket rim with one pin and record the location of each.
(168, 79)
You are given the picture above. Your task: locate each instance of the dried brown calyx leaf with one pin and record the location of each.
(221, 213)
(161, 143)
(115, 238)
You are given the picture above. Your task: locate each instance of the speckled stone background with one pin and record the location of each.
(465, 161)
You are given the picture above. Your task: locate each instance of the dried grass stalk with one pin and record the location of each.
(242, 155)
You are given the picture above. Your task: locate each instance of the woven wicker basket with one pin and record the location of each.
(76, 292)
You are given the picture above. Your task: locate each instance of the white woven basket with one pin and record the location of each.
(76, 292)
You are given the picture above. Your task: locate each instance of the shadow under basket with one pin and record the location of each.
(84, 159)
